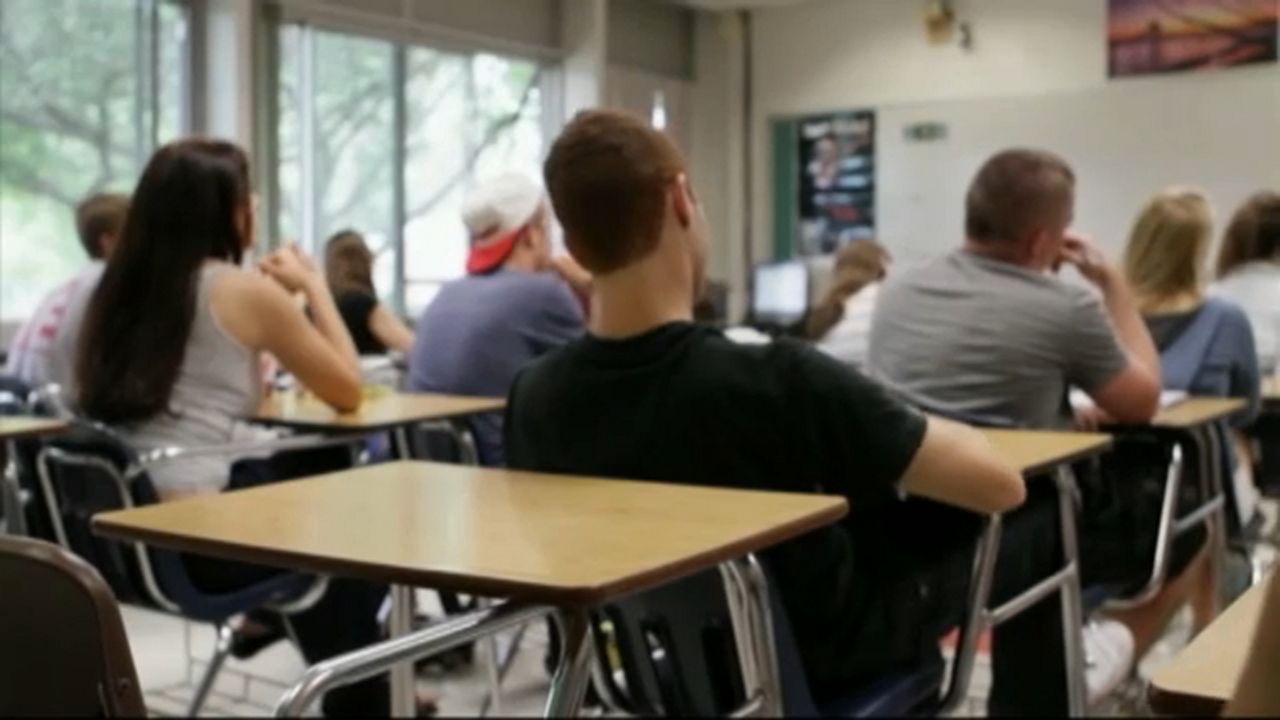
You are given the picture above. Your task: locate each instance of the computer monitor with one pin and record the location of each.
(780, 293)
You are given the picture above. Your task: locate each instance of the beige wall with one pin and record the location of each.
(834, 54)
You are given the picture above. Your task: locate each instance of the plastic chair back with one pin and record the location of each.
(677, 649)
(64, 650)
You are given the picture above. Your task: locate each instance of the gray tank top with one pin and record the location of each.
(219, 385)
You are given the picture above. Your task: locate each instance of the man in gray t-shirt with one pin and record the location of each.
(989, 339)
(514, 305)
(991, 333)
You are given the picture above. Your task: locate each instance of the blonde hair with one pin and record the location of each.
(1169, 244)
(348, 263)
(858, 265)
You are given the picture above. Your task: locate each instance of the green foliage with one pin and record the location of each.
(75, 118)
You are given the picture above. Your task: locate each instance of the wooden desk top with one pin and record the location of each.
(1195, 411)
(1203, 676)
(560, 540)
(21, 426)
(379, 412)
(1035, 451)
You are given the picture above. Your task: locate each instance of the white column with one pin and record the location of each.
(716, 152)
(584, 34)
(230, 33)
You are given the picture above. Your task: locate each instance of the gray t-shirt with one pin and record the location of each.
(481, 330)
(990, 340)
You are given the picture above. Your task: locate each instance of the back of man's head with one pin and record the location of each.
(609, 176)
(1016, 194)
(100, 218)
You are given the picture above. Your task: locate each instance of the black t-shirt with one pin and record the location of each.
(356, 307)
(684, 404)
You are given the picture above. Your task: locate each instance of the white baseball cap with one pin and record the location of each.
(495, 213)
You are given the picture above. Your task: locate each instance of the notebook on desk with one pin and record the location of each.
(1168, 398)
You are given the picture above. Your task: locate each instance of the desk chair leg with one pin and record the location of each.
(400, 624)
(978, 618)
(495, 665)
(569, 686)
(220, 652)
(766, 646)
(1219, 531)
(467, 451)
(498, 675)
(15, 518)
(1072, 610)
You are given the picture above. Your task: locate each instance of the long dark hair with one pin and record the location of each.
(348, 263)
(1254, 234)
(858, 265)
(186, 210)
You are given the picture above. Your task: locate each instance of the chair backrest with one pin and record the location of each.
(677, 649)
(63, 649)
(82, 473)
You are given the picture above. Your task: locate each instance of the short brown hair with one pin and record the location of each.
(98, 215)
(1254, 234)
(608, 175)
(1014, 192)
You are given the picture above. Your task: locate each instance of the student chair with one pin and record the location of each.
(90, 470)
(16, 458)
(64, 652)
(678, 656)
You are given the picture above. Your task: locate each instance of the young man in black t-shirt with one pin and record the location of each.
(647, 394)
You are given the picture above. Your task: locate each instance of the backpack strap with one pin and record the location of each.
(1181, 361)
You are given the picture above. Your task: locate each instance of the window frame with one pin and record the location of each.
(402, 42)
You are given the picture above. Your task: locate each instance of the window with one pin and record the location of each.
(386, 139)
(88, 88)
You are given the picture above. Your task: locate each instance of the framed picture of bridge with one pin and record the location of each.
(1148, 37)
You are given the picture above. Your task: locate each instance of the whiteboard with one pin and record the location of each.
(1126, 141)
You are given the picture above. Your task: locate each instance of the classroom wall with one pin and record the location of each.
(835, 54)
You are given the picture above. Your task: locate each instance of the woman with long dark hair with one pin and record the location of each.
(169, 355)
(348, 265)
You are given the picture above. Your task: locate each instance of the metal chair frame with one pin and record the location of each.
(143, 464)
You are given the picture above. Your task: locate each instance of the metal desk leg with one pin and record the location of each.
(766, 647)
(469, 455)
(462, 435)
(977, 616)
(403, 690)
(11, 493)
(1072, 610)
(1219, 527)
(569, 686)
(1204, 443)
(403, 694)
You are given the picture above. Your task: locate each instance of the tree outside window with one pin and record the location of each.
(88, 88)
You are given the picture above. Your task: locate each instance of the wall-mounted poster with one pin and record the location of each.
(1165, 36)
(837, 156)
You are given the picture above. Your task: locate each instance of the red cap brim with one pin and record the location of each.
(489, 253)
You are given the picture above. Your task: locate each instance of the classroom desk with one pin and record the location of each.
(385, 410)
(381, 412)
(1202, 677)
(551, 543)
(1191, 423)
(12, 429)
(1034, 453)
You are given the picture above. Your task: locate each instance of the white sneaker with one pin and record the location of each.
(1108, 652)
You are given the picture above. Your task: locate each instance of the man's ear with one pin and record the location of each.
(682, 200)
